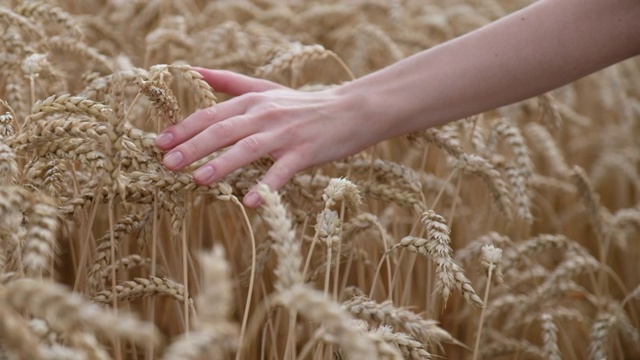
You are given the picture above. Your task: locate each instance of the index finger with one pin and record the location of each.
(233, 83)
(198, 121)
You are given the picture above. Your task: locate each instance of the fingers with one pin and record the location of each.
(211, 139)
(224, 81)
(199, 121)
(235, 84)
(228, 123)
(279, 174)
(221, 80)
(241, 154)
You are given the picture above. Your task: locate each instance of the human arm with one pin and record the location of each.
(532, 51)
(529, 52)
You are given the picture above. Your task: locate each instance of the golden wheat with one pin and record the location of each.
(95, 229)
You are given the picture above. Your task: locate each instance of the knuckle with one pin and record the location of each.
(220, 164)
(293, 130)
(255, 97)
(205, 115)
(271, 108)
(209, 113)
(281, 171)
(251, 99)
(190, 149)
(270, 112)
(250, 144)
(223, 129)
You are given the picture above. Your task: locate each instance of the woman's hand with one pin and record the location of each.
(534, 50)
(299, 129)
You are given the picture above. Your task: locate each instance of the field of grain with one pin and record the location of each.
(508, 235)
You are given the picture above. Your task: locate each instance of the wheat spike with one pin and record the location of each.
(314, 306)
(162, 98)
(139, 288)
(403, 320)
(550, 337)
(64, 310)
(285, 245)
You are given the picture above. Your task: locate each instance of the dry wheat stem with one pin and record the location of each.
(491, 258)
(225, 189)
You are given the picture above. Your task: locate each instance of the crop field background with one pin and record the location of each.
(509, 235)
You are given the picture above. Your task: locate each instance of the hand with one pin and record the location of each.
(299, 129)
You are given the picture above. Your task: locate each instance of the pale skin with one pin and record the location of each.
(539, 48)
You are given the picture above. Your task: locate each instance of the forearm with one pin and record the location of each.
(534, 50)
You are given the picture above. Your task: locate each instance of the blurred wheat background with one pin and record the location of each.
(508, 235)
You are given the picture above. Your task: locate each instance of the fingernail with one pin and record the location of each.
(204, 173)
(173, 159)
(252, 199)
(164, 139)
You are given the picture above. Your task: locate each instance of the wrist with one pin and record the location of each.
(365, 103)
(364, 109)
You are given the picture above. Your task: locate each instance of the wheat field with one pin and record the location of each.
(509, 235)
